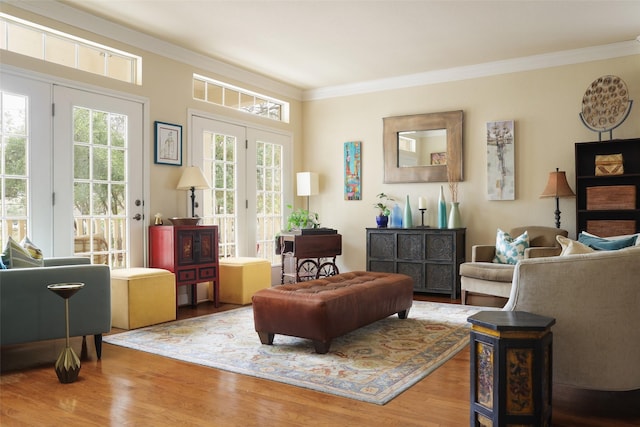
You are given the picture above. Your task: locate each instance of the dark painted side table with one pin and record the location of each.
(68, 364)
(511, 368)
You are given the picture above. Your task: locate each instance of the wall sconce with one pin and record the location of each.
(557, 187)
(193, 179)
(307, 185)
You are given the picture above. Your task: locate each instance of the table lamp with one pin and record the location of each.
(557, 187)
(307, 185)
(193, 179)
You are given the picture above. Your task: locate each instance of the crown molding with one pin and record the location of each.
(535, 62)
(85, 21)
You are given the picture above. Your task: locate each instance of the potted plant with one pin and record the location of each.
(383, 210)
(301, 218)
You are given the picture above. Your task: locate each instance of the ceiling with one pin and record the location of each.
(313, 44)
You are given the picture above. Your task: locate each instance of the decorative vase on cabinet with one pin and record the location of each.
(442, 210)
(407, 222)
(454, 216)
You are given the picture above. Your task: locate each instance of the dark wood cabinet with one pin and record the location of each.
(607, 205)
(190, 252)
(431, 256)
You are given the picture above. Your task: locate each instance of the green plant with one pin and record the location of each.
(301, 218)
(382, 207)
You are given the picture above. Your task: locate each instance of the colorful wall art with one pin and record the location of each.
(352, 170)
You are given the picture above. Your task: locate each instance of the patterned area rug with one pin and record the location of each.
(373, 364)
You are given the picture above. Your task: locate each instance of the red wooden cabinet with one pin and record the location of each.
(190, 252)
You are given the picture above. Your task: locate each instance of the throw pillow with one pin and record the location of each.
(572, 247)
(602, 244)
(624, 236)
(19, 257)
(34, 251)
(508, 249)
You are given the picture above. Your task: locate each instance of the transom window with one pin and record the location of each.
(216, 92)
(37, 41)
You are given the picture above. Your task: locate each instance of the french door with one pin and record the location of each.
(246, 168)
(98, 177)
(82, 175)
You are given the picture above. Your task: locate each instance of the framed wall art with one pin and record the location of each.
(501, 160)
(168, 144)
(352, 170)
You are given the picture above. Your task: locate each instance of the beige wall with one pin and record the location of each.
(544, 105)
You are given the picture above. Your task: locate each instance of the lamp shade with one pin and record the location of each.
(192, 177)
(557, 186)
(307, 183)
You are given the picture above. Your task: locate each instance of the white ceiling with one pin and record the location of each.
(320, 43)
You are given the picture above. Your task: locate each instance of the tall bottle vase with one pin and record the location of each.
(454, 216)
(442, 210)
(407, 221)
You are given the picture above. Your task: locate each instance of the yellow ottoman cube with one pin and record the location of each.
(241, 277)
(142, 297)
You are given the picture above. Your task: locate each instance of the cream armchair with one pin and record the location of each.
(483, 276)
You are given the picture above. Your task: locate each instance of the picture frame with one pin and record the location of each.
(168, 144)
(501, 163)
(439, 158)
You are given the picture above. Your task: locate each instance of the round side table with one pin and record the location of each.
(68, 364)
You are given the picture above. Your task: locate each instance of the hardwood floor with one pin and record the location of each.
(129, 387)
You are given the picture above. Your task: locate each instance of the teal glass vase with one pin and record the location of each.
(407, 221)
(442, 210)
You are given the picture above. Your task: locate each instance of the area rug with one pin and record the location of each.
(372, 364)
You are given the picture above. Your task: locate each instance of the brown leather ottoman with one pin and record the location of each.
(327, 308)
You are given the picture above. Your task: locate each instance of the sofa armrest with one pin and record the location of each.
(483, 253)
(541, 251)
(72, 260)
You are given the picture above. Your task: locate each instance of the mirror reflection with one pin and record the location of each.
(422, 148)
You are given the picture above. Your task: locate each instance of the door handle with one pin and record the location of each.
(137, 217)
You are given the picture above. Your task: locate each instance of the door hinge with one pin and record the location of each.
(246, 144)
(53, 109)
(53, 199)
(246, 204)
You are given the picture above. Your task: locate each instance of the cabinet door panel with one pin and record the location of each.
(382, 245)
(382, 266)
(410, 246)
(186, 247)
(439, 247)
(208, 246)
(415, 271)
(440, 277)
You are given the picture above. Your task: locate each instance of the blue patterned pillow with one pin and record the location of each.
(508, 249)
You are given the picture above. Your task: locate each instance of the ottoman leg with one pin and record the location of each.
(266, 338)
(322, 347)
(403, 314)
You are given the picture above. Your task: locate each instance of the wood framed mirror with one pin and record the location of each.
(421, 147)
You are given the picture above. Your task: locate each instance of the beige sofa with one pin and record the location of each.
(483, 276)
(595, 299)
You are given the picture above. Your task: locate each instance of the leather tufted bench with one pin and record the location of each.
(327, 308)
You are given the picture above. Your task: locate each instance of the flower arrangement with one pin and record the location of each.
(382, 207)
